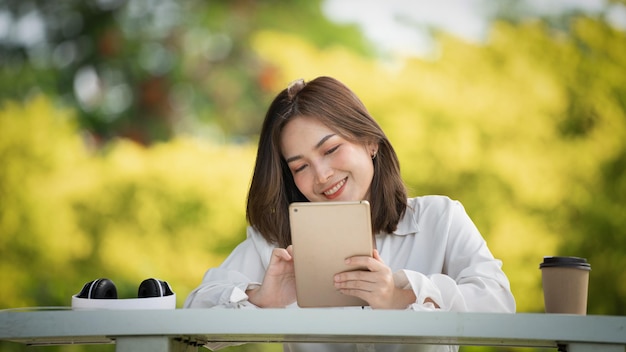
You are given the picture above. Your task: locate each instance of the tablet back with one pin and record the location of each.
(324, 234)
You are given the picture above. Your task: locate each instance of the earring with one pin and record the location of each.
(374, 155)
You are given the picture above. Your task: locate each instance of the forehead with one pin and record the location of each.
(303, 132)
(303, 122)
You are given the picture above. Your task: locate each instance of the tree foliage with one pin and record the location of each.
(149, 70)
(69, 215)
(527, 130)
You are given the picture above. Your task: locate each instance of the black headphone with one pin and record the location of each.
(105, 289)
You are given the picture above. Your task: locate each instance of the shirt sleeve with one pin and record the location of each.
(471, 279)
(226, 285)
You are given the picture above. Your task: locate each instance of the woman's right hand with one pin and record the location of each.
(278, 289)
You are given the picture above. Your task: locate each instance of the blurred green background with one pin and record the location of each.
(128, 132)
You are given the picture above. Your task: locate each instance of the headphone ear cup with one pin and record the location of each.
(154, 288)
(99, 289)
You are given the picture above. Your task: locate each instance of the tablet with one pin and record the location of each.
(324, 234)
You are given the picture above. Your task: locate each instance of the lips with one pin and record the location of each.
(334, 191)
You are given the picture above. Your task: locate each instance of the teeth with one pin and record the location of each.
(336, 188)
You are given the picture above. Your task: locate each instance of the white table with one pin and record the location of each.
(185, 329)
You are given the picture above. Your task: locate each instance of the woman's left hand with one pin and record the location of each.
(375, 285)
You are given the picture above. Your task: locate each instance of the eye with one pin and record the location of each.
(299, 168)
(332, 150)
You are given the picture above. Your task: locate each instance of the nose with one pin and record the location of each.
(323, 172)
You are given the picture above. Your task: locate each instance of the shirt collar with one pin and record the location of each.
(408, 224)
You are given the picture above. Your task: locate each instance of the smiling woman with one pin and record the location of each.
(319, 143)
(327, 116)
(324, 165)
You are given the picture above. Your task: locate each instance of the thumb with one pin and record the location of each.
(376, 256)
(281, 254)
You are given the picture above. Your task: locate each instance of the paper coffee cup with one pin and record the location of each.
(565, 283)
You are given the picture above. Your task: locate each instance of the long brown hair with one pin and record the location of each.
(272, 188)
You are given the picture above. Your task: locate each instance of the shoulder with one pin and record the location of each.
(254, 236)
(440, 213)
(436, 210)
(426, 213)
(431, 204)
(260, 244)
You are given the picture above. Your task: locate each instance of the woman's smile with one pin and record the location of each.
(336, 190)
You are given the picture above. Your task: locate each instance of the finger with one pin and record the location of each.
(356, 275)
(354, 285)
(364, 262)
(290, 250)
(364, 295)
(281, 253)
(377, 256)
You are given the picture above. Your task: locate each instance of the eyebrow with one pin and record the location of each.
(317, 146)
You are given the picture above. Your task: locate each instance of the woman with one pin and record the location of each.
(319, 143)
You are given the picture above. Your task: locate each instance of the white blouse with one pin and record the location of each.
(436, 251)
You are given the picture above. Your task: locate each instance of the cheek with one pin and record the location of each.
(347, 158)
(302, 182)
(356, 160)
(364, 169)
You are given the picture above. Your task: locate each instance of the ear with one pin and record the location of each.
(372, 148)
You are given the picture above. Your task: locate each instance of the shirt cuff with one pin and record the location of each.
(238, 297)
(421, 286)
